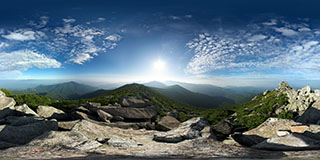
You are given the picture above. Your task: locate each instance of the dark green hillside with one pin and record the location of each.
(183, 95)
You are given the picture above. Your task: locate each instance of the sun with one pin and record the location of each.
(159, 66)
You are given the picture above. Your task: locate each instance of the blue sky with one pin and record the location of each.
(233, 42)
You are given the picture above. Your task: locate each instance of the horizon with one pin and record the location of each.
(229, 43)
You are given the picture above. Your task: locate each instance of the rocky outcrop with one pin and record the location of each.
(299, 100)
(132, 125)
(51, 113)
(187, 130)
(167, 123)
(137, 102)
(311, 115)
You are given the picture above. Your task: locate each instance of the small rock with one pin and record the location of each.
(2, 94)
(266, 92)
(6, 102)
(102, 140)
(117, 118)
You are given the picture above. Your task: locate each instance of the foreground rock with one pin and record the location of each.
(167, 123)
(51, 113)
(25, 133)
(289, 142)
(187, 130)
(267, 129)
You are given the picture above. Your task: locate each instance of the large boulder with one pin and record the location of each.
(26, 110)
(311, 115)
(167, 123)
(132, 101)
(293, 141)
(130, 114)
(25, 133)
(187, 130)
(267, 129)
(51, 113)
(6, 102)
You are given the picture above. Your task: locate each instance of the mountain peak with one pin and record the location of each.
(283, 86)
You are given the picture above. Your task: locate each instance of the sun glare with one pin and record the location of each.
(159, 66)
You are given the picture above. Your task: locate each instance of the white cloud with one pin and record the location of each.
(114, 37)
(101, 19)
(3, 45)
(286, 31)
(271, 23)
(24, 59)
(256, 49)
(304, 29)
(81, 58)
(174, 17)
(43, 22)
(71, 20)
(188, 16)
(257, 37)
(23, 35)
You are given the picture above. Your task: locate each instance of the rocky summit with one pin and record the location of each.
(135, 127)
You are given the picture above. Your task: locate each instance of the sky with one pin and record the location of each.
(230, 42)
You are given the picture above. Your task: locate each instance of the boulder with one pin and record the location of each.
(104, 116)
(121, 143)
(2, 94)
(267, 129)
(25, 133)
(187, 130)
(4, 145)
(208, 133)
(67, 125)
(93, 107)
(311, 115)
(136, 102)
(129, 113)
(290, 142)
(117, 118)
(51, 113)
(282, 133)
(82, 109)
(167, 123)
(26, 110)
(6, 102)
(223, 129)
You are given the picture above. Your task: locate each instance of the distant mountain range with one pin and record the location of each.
(67, 90)
(237, 94)
(199, 95)
(183, 95)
